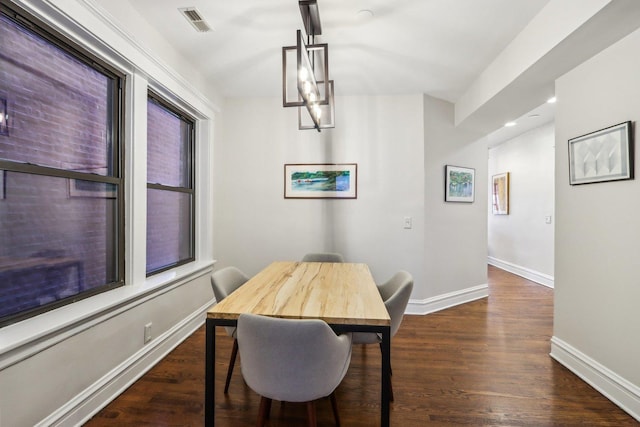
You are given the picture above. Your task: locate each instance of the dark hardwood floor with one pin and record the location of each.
(482, 363)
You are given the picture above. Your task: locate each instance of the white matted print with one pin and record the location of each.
(604, 155)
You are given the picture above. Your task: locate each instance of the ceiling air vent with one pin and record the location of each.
(195, 19)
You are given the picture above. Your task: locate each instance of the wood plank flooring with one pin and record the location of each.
(482, 363)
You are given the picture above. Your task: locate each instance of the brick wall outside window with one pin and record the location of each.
(58, 118)
(169, 162)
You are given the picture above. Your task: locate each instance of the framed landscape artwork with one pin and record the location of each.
(604, 155)
(321, 181)
(500, 194)
(459, 184)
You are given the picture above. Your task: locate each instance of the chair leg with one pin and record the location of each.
(232, 362)
(311, 414)
(334, 406)
(263, 412)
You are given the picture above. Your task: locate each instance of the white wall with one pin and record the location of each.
(455, 237)
(255, 225)
(522, 242)
(597, 320)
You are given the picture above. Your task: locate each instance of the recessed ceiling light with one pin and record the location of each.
(551, 100)
(510, 124)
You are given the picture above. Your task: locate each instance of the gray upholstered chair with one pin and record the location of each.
(395, 293)
(224, 282)
(292, 360)
(323, 257)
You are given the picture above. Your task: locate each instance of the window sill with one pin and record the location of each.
(23, 339)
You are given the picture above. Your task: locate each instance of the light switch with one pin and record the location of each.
(407, 222)
(547, 219)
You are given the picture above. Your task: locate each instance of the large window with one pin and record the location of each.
(170, 189)
(61, 201)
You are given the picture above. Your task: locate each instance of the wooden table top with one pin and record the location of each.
(338, 293)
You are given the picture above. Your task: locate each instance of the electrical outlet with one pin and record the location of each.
(147, 332)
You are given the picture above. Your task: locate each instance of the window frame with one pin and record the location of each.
(154, 97)
(116, 107)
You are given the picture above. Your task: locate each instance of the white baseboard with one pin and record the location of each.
(440, 302)
(95, 397)
(615, 388)
(534, 276)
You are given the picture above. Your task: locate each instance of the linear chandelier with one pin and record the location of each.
(305, 74)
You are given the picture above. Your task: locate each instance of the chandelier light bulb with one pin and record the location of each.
(303, 74)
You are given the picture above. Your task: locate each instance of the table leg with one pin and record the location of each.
(386, 377)
(210, 374)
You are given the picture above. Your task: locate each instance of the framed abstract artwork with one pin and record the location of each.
(604, 155)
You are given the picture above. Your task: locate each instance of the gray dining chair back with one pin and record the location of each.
(395, 293)
(227, 280)
(323, 257)
(224, 282)
(291, 360)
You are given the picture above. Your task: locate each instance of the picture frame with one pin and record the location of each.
(459, 184)
(500, 194)
(321, 181)
(601, 156)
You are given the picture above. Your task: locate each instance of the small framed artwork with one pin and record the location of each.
(604, 155)
(321, 181)
(459, 184)
(500, 194)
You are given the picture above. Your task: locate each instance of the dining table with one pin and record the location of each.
(342, 294)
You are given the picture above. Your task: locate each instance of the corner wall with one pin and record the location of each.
(401, 144)
(597, 321)
(455, 238)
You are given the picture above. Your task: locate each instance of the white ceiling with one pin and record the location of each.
(437, 47)
(493, 59)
